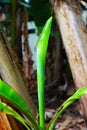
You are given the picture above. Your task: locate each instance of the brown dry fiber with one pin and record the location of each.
(11, 74)
(74, 36)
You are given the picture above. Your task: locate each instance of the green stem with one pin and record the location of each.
(41, 94)
(41, 58)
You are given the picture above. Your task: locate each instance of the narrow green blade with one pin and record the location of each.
(42, 43)
(13, 97)
(8, 110)
(68, 102)
(41, 58)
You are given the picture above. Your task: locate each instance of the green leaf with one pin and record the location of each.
(68, 102)
(42, 43)
(13, 97)
(8, 110)
(41, 58)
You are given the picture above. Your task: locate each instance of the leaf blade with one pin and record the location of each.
(13, 97)
(41, 58)
(8, 110)
(67, 103)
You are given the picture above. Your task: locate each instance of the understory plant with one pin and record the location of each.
(14, 98)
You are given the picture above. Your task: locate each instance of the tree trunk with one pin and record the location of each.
(74, 35)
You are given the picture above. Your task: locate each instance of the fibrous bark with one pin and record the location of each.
(69, 15)
(11, 73)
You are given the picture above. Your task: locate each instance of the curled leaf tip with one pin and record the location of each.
(46, 31)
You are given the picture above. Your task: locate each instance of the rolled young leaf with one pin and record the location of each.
(41, 58)
(68, 102)
(8, 110)
(13, 97)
